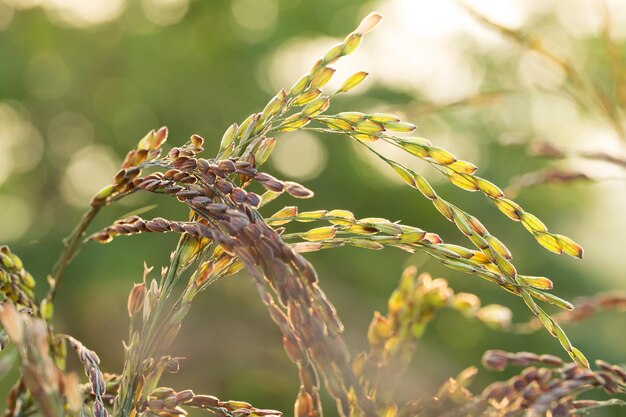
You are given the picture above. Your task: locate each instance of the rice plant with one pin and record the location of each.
(224, 228)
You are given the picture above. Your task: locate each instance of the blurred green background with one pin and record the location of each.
(82, 81)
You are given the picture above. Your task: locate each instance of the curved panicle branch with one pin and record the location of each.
(545, 386)
(304, 315)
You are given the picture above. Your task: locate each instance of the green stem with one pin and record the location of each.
(70, 249)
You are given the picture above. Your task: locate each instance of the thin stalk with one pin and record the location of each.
(70, 250)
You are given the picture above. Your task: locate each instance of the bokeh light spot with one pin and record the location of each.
(83, 13)
(47, 76)
(15, 217)
(6, 15)
(23, 4)
(21, 145)
(67, 133)
(256, 18)
(90, 169)
(299, 156)
(583, 20)
(165, 12)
